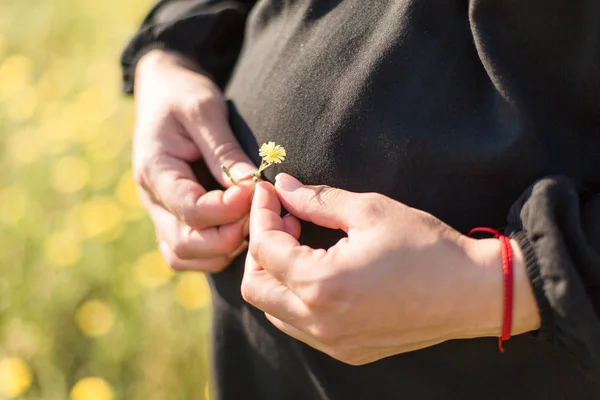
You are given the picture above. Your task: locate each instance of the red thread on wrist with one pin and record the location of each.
(507, 270)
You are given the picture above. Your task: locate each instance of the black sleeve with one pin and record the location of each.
(557, 224)
(207, 31)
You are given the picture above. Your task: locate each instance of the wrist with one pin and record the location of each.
(161, 58)
(486, 310)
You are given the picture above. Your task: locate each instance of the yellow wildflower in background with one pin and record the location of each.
(92, 389)
(151, 271)
(94, 318)
(193, 291)
(272, 153)
(15, 377)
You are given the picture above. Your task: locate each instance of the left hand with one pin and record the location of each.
(400, 281)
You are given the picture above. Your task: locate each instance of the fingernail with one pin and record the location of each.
(240, 170)
(287, 182)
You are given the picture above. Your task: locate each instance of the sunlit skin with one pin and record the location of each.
(401, 280)
(181, 117)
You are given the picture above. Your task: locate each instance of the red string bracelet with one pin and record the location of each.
(507, 269)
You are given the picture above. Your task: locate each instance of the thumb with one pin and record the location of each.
(219, 147)
(322, 205)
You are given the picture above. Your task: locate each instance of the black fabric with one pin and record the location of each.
(207, 31)
(481, 112)
(563, 268)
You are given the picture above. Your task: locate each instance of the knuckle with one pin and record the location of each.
(145, 171)
(326, 292)
(188, 212)
(201, 106)
(319, 194)
(320, 294)
(173, 262)
(226, 151)
(141, 171)
(170, 258)
(180, 249)
(370, 205)
(176, 265)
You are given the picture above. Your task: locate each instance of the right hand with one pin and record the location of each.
(181, 117)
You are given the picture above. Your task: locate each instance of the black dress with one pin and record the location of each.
(482, 113)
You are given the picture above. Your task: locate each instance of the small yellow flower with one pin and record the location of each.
(272, 153)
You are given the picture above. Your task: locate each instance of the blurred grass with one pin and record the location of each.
(87, 308)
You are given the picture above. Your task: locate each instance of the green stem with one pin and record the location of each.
(263, 165)
(226, 171)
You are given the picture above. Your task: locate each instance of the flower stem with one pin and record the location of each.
(226, 171)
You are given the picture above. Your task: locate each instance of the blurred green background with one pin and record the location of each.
(87, 308)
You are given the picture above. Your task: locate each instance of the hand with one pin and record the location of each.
(181, 117)
(400, 281)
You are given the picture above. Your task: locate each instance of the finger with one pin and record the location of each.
(294, 332)
(264, 292)
(188, 244)
(210, 265)
(357, 356)
(172, 185)
(321, 205)
(292, 226)
(210, 130)
(271, 246)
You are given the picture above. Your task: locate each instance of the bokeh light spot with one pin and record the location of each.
(100, 215)
(15, 377)
(92, 388)
(193, 291)
(151, 271)
(94, 318)
(15, 74)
